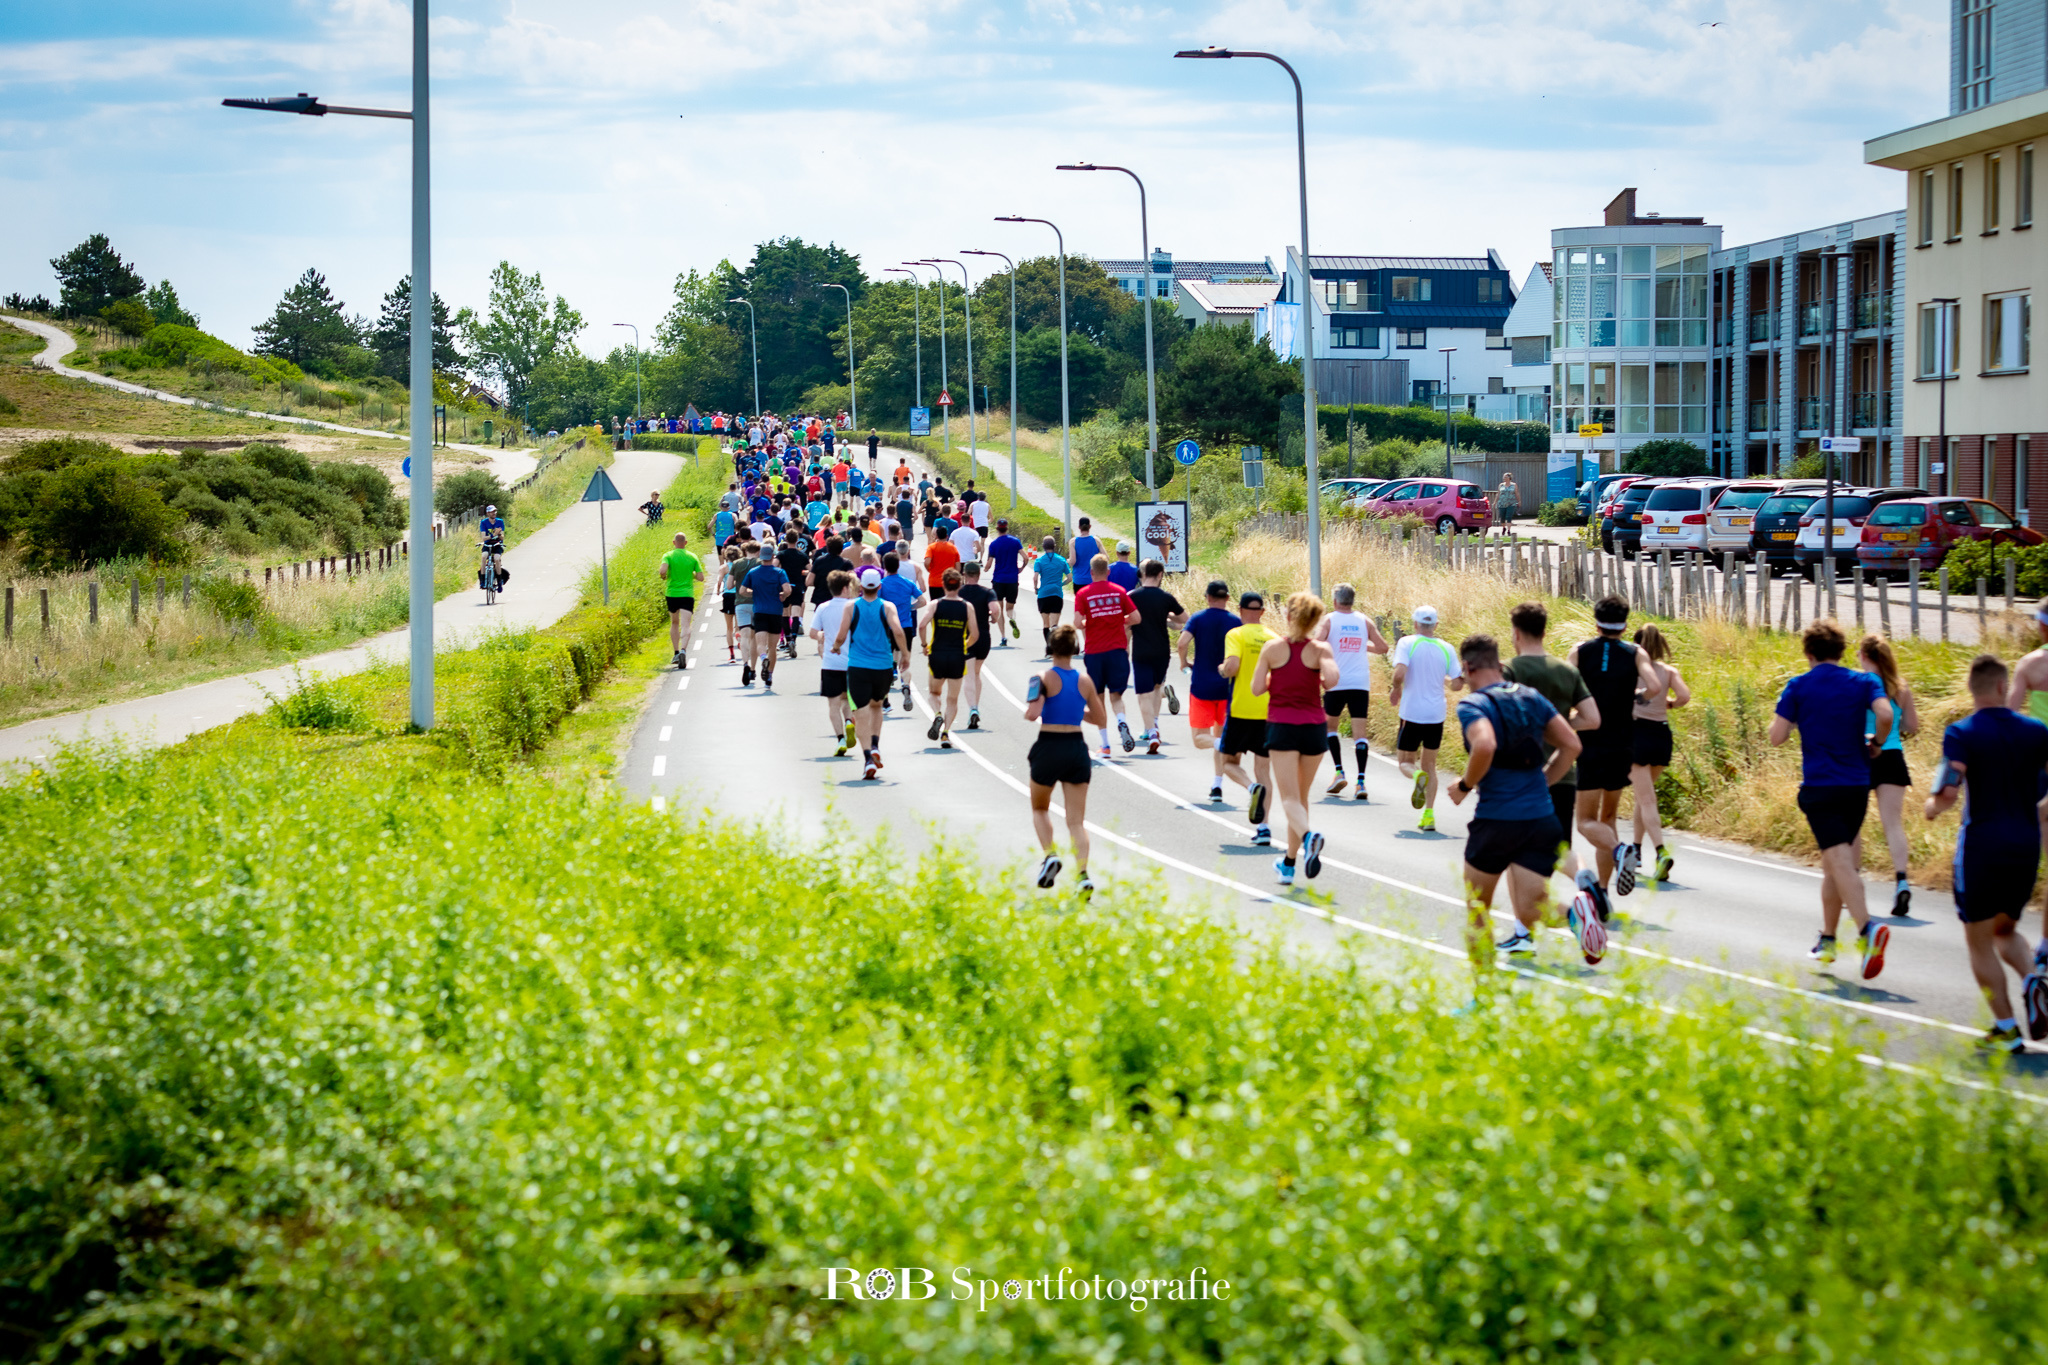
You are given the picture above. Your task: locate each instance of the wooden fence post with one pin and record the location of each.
(1944, 603)
(159, 594)
(1884, 604)
(2011, 581)
(1857, 573)
(188, 590)
(46, 611)
(1983, 622)
(10, 613)
(92, 599)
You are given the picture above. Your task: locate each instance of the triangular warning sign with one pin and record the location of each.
(945, 399)
(602, 489)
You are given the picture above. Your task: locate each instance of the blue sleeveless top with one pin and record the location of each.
(1069, 706)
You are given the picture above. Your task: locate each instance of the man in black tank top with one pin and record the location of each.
(949, 632)
(1613, 669)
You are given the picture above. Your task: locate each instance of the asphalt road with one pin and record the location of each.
(1733, 920)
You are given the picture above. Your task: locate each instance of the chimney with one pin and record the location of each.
(1622, 211)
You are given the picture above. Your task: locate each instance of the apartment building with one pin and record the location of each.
(1975, 414)
(1163, 278)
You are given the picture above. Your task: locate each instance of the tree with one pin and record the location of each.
(91, 276)
(391, 336)
(703, 363)
(1038, 374)
(86, 514)
(1224, 386)
(700, 300)
(308, 326)
(1667, 456)
(163, 305)
(521, 330)
(1093, 299)
(570, 390)
(471, 488)
(128, 317)
(801, 326)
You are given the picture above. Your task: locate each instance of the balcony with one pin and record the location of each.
(1874, 310)
(1870, 410)
(1813, 319)
(1813, 414)
(1763, 416)
(1763, 327)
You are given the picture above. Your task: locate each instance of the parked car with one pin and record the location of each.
(1371, 489)
(1923, 529)
(1608, 489)
(1728, 521)
(1674, 517)
(1852, 507)
(1446, 504)
(1624, 525)
(1348, 488)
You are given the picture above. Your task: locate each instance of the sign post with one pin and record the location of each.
(1590, 432)
(1252, 458)
(1831, 446)
(1187, 452)
(602, 490)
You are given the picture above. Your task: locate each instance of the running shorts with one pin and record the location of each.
(1354, 699)
(1005, 592)
(1244, 735)
(682, 604)
(1564, 806)
(1834, 814)
(744, 612)
(1888, 769)
(1653, 744)
(1109, 670)
(866, 686)
(771, 624)
(1417, 735)
(979, 649)
(1993, 882)
(1205, 713)
(1604, 767)
(727, 601)
(832, 682)
(1284, 737)
(1061, 756)
(1492, 846)
(1148, 674)
(1050, 606)
(946, 666)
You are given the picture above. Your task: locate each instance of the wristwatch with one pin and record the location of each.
(1464, 786)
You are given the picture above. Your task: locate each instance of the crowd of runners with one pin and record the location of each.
(881, 567)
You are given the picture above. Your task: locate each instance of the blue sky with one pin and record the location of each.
(610, 144)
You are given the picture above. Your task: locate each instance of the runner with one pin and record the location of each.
(1292, 673)
(1353, 639)
(1424, 668)
(728, 598)
(1200, 650)
(947, 633)
(724, 523)
(939, 556)
(872, 638)
(794, 559)
(745, 557)
(1514, 829)
(874, 448)
(1105, 614)
(770, 588)
(983, 601)
(1159, 614)
(1085, 548)
(1651, 747)
(681, 572)
(1889, 777)
(832, 666)
(1005, 559)
(1564, 687)
(1245, 731)
(1828, 704)
(1062, 701)
(1614, 670)
(903, 593)
(1050, 570)
(1123, 572)
(966, 541)
(2000, 755)
(829, 560)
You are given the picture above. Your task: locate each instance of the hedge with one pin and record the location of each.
(1426, 424)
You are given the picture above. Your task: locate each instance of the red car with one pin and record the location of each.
(1446, 504)
(1899, 533)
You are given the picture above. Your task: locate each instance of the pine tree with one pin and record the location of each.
(163, 305)
(93, 275)
(308, 326)
(391, 338)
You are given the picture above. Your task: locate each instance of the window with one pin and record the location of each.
(1497, 339)
(2019, 477)
(1490, 291)
(1938, 324)
(1975, 72)
(1411, 289)
(1350, 293)
(1988, 466)
(1356, 338)
(1994, 174)
(1635, 400)
(1920, 479)
(1927, 208)
(1988, 514)
(1411, 338)
(1531, 351)
(2006, 325)
(2023, 190)
(1329, 291)
(1955, 202)
(1165, 289)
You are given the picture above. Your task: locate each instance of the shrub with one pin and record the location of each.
(317, 703)
(1807, 466)
(234, 600)
(472, 488)
(128, 317)
(8, 407)
(57, 451)
(1971, 560)
(86, 514)
(1668, 457)
(1562, 512)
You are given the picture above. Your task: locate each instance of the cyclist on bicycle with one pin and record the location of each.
(492, 529)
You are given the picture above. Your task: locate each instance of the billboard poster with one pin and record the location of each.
(1562, 475)
(920, 421)
(1163, 533)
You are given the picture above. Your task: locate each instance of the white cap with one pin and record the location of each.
(1425, 616)
(870, 576)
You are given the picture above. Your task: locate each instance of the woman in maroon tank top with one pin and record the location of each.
(1293, 673)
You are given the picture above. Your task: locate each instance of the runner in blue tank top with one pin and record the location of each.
(871, 636)
(1062, 700)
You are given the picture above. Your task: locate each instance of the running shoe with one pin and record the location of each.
(1152, 743)
(1517, 944)
(746, 675)
(2002, 1038)
(973, 719)
(1427, 822)
(676, 658)
(839, 750)
(1823, 950)
(682, 660)
(1262, 837)
(1049, 870)
(1172, 701)
(1105, 753)
(1902, 905)
(1359, 790)
(1421, 792)
(868, 773)
(1872, 941)
(1587, 928)
(1284, 870)
(1255, 809)
(1627, 858)
(886, 708)
(767, 678)
(1664, 864)
(876, 759)
(945, 739)
(1336, 787)
(1123, 734)
(1311, 855)
(2034, 1003)
(1085, 888)
(851, 738)
(1016, 630)
(907, 703)
(1216, 795)
(932, 730)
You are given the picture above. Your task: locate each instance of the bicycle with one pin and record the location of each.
(491, 575)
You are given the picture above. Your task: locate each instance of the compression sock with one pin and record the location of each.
(1359, 749)
(1337, 753)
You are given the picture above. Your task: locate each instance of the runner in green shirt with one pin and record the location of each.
(681, 571)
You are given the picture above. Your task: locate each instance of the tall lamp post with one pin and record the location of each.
(852, 395)
(1945, 359)
(945, 409)
(916, 321)
(1144, 297)
(755, 336)
(1308, 335)
(1013, 364)
(1066, 458)
(636, 370)
(420, 531)
(967, 300)
(1447, 405)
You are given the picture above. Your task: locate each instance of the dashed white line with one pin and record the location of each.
(658, 802)
(674, 707)
(660, 764)
(667, 731)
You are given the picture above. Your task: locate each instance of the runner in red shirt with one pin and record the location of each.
(1106, 614)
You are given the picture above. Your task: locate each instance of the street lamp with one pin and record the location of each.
(967, 301)
(1013, 364)
(1447, 405)
(1942, 360)
(1144, 297)
(1066, 460)
(916, 321)
(755, 336)
(852, 395)
(636, 371)
(945, 408)
(1308, 373)
(420, 546)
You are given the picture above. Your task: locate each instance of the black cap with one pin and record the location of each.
(1218, 588)
(1251, 599)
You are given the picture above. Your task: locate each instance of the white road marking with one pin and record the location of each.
(658, 802)
(1753, 862)
(666, 732)
(684, 684)
(674, 707)
(660, 764)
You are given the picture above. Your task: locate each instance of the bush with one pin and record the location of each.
(472, 488)
(55, 452)
(317, 703)
(86, 514)
(1667, 457)
(234, 600)
(1971, 560)
(128, 317)
(1562, 512)
(1421, 424)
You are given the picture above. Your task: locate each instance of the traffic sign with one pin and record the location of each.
(945, 399)
(406, 468)
(1249, 454)
(1187, 452)
(1592, 429)
(601, 489)
(1841, 445)
(1254, 472)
